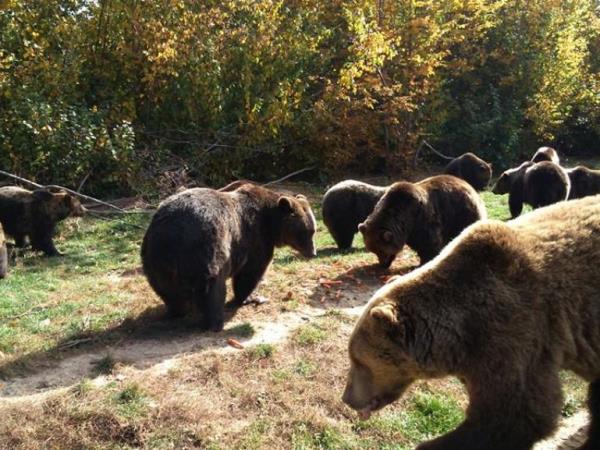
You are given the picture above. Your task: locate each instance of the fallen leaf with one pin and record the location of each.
(235, 343)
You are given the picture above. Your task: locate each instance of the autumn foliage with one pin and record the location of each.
(117, 91)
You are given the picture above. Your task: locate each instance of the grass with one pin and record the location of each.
(280, 394)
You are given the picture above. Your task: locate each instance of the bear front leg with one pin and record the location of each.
(507, 417)
(213, 305)
(244, 284)
(20, 241)
(44, 243)
(593, 440)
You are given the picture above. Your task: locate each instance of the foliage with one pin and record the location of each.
(117, 91)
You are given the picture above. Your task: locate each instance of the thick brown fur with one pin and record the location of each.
(546, 154)
(584, 182)
(34, 215)
(3, 254)
(504, 308)
(424, 215)
(537, 184)
(347, 204)
(200, 237)
(234, 185)
(472, 169)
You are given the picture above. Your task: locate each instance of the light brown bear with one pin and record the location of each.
(504, 307)
(424, 215)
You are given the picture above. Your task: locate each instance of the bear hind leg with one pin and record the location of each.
(213, 304)
(44, 243)
(593, 440)
(244, 284)
(344, 238)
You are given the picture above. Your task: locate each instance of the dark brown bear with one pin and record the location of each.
(504, 308)
(546, 154)
(200, 237)
(34, 214)
(584, 182)
(537, 184)
(472, 169)
(3, 254)
(424, 215)
(347, 204)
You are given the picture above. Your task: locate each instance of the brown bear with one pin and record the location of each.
(424, 215)
(472, 169)
(504, 308)
(584, 182)
(537, 184)
(235, 185)
(200, 237)
(34, 214)
(546, 154)
(347, 204)
(3, 254)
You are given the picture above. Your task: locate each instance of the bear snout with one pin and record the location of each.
(309, 251)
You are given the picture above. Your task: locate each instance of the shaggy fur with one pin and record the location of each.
(424, 215)
(3, 255)
(34, 215)
(200, 237)
(504, 308)
(472, 169)
(347, 204)
(584, 182)
(546, 154)
(537, 184)
(234, 185)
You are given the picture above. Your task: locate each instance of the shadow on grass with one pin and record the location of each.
(150, 325)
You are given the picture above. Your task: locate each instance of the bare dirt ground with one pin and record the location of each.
(156, 355)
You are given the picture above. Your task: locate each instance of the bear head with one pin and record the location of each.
(297, 224)
(381, 366)
(390, 224)
(420, 325)
(505, 182)
(58, 204)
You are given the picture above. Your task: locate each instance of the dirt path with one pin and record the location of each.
(158, 355)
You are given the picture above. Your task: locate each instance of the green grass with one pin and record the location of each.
(261, 351)
(308, 335)
(45, 301)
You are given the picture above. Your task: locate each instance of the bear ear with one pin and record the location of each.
(42, 195)
(285, 204)
(362, 227)
(387, 236)
(384, 312)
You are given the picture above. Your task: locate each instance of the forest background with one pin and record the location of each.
(116, 92)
